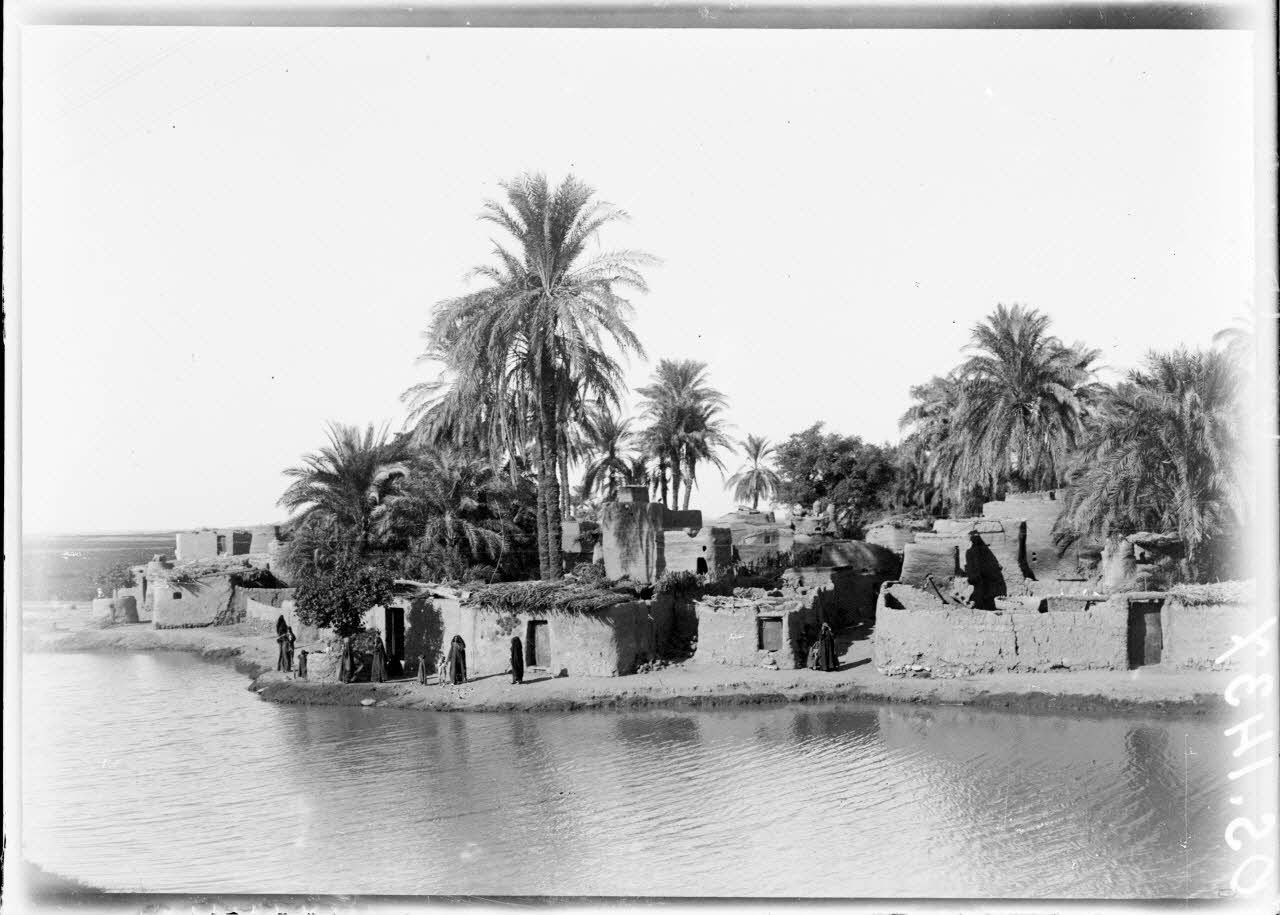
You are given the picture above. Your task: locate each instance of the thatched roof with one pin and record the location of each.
(545, 597)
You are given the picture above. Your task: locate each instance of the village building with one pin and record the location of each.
(210, 544)
(641, 540)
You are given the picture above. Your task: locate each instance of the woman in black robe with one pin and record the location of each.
(282, 638)
(378, 672)
(457, 662)
(290, 640)
(517, 660)
(827, 659)
(346, 663)
(301, 673)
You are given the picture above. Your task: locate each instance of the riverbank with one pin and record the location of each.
(691, 684)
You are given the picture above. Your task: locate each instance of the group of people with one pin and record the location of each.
(287, 641)
(451, 666)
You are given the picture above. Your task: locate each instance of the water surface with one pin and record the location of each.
(162, 773)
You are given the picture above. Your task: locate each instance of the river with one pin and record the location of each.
(158, 772)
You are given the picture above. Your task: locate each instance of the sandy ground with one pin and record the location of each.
(691, 684)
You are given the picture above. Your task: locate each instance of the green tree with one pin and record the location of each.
(1164, 456)
(543, 319)
(338, 598)
(755, 478)
(843, 470)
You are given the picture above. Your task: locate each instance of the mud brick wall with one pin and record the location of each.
(929, 555)
(631, 540)
(681, 552)
(960, 641)
(200, 603)
(1040, 511)
(1195, 636)
(730, 634)
(890, 537)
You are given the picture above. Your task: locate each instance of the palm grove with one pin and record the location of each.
(531, 390)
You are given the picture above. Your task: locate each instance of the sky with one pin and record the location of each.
(231, 237)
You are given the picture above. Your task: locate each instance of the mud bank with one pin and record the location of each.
(690, 685)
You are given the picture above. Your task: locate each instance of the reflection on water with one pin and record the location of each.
(162, 773)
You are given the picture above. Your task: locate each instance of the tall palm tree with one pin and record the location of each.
(1164, 456)
(544, 317)
(1024, 399)
(925, 458)
(682, 426)
(755, 478)
(606, 440)
(704, 435)
(449, 503)
(337, 488)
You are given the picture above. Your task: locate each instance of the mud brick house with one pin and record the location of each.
(641, 539)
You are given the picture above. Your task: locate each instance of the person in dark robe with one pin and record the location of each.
(422, 669)
(346, 662)
(282, 640)
(517, 660)
(456, 664)
(378, 672)
(827, 658)
(982, 571)
(301, 672)
(290, 641)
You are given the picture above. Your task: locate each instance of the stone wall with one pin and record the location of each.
(915, 629)
(273, 597)
(1195, 636)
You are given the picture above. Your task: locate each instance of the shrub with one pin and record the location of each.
(339, 598)
(118, 576)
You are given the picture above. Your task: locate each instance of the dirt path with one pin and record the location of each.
(693, 684)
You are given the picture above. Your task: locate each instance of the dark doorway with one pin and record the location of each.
(769, 630)
(538, 645)
(222, 544)
(1146, 638)
(395, 633)
(702, 565)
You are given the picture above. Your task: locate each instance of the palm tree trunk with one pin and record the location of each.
(662, 478)
(547, 419)
(755, 500)
(675, 484)
(567, 493)
(544, 567)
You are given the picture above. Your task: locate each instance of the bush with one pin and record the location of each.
(118, 576)
(339, 598)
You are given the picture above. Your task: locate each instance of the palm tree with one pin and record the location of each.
(1164, 456)
(755, 478)
(606, 441)
(1024, 398)
(683, 426)
(450, 504)
(925, 460)
(544, 318)
(335, 490)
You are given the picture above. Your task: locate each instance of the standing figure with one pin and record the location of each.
(282, 638)
(378, 672)
(301, 672)
(346, 663)
(290, 640)
(422, 669)
(827, 659)
(517, 660)
(983, 572)
(456, 665)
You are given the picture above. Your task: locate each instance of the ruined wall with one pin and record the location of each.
(861, 557)
(632, 541)
(912, 630)
(890, 537)
(1195, 636)
(681, 552)
(196, 545)
(929, 555)
(274, 597)
(198, 603)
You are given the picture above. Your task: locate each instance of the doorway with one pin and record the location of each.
(395, 633)
(538, 645)
(1146, 637)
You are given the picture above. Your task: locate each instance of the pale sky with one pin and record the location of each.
(231, 236)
